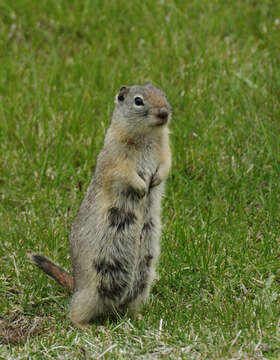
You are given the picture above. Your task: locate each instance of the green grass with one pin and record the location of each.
(61, 63)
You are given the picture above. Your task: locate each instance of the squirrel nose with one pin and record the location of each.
(162, 114)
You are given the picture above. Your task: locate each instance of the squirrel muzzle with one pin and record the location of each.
(162, 115)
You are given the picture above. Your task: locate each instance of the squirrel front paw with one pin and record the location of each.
(141, 193)
(156, 179)
(141, 190)
(160, 174)
(136, 190)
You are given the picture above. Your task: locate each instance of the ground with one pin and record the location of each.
(62, 62)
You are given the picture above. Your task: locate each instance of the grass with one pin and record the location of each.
(218, 61)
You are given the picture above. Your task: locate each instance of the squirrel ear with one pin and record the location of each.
(123, 92)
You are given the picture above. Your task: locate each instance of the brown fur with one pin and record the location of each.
(115, 237)
(53, 270)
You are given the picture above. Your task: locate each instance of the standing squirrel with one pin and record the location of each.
(114, 240)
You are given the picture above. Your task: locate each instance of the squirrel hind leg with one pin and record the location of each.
(135, 305)
(85, 305)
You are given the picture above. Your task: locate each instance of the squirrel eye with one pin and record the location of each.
(138, 101)
(120, 97)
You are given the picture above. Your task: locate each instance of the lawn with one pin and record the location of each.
(61, 64)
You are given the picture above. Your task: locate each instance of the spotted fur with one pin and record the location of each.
(114, 240)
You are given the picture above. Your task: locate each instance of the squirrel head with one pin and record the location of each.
(141, 108)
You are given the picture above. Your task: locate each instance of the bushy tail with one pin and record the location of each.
(53, 270)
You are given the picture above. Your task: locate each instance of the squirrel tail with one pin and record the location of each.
(53, 270)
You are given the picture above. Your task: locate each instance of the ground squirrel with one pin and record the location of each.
(114, 240)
